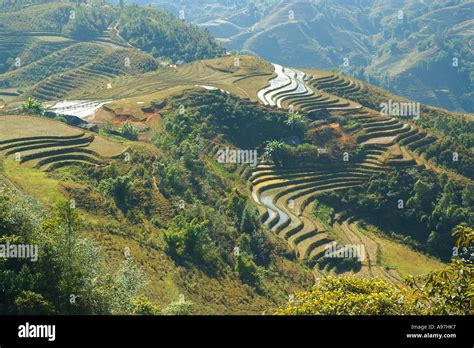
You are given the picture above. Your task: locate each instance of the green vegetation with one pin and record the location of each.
(187, 174)
(430, 209)
(174, 200)
(32, 106)
(128, 131)
(191, 240)
(454, 149)
(352, 296)
(70, 275)
(164, 36)
(296, 120)
(225, 236)
(448, 291)
(323, 212)
(66, 46)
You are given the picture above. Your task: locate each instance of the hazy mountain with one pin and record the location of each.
(419, 49)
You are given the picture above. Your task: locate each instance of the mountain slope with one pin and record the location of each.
(407, 47)
(306, 200)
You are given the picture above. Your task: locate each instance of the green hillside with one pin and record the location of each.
(159, 175)
(34, 31)
(196, 211)
(406, 47)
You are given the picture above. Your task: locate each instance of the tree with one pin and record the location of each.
(423, 198)
(119, 189)
(446, 291)
(69, 218)
(32, 303)
(247, 269)
(296, 121)
(127, 286)
(236, 202)
(274, 150)
(467, 195)
(189, 240)
(464, 237)
(33, 106)
(249, 221)
(451, 289)
(129, 131)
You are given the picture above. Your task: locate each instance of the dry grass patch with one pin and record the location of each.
(13, 127)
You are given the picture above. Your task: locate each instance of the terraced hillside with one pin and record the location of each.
(356, 37)
(286, 195)
(286, 199)
(60, 49)
(46, 144)
(232, 181)
(317, 93)
(301, 91)
(242, 76)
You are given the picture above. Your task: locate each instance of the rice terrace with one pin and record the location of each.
(183, 158)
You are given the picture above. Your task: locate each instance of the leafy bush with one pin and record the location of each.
(190, 240)
(433, 207)
(143, 306)
(119, 189)
(179, 308)
(71, 276)
(247, 270)
(323, 213)
(129, 131)
(352, 296)
(447, 291)
(31, 303)
(33, 106)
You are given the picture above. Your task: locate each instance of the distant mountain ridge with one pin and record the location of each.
(417, 49)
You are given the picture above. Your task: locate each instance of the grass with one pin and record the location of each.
(324, 213)
(399, 256)
(167, 279)
(243, 81)
(134, 106)
(106, 148)
(13, 127)
(33, 181)
(49, 146)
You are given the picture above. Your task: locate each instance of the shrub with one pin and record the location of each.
(352, 296)
(247, 269)
(32, 303)
(190, 240)
(143, 306)
(32, 106)
(119, 189)
(129, 131)
(179, 308)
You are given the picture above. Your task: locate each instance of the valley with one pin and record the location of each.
(409, 48)
(114, 158)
